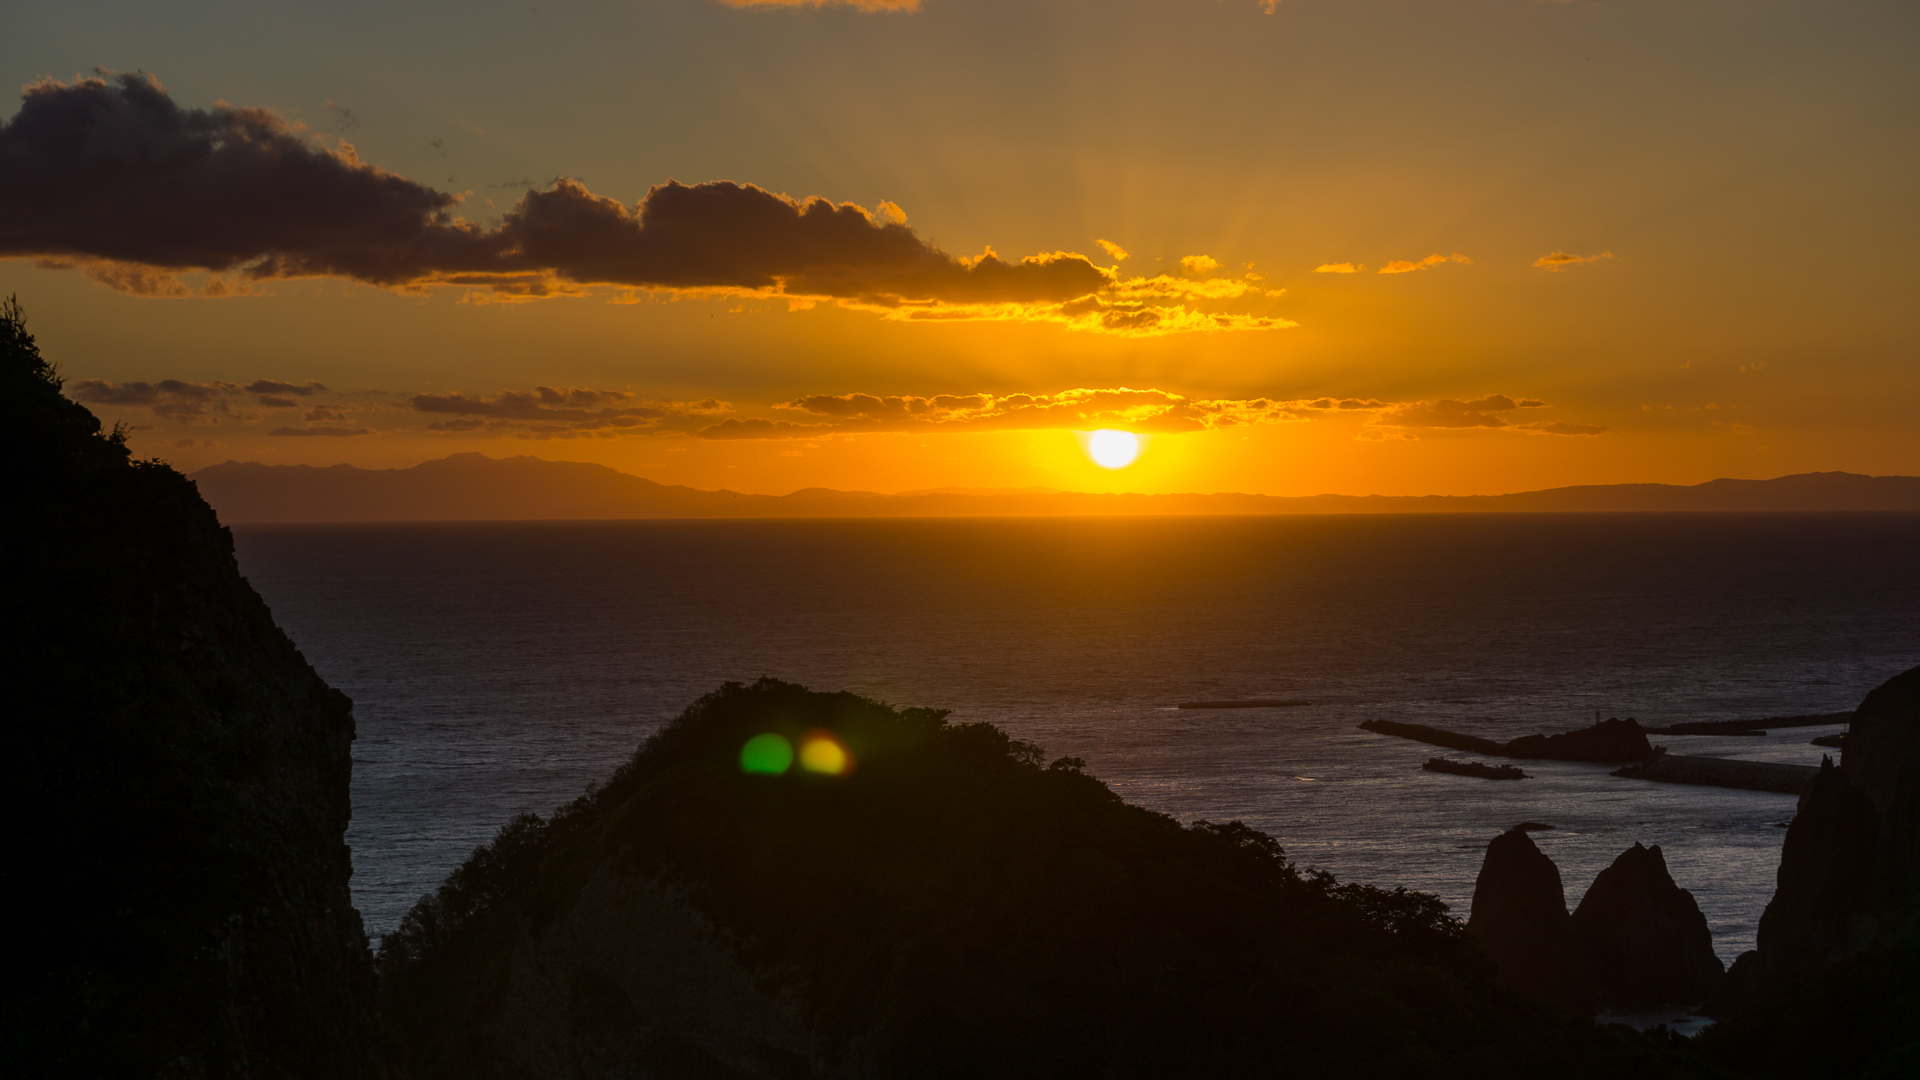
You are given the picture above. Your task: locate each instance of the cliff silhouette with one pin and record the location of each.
(1833, 985)
(474, 487)
(180, 776)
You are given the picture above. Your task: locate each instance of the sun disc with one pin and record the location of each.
(1112, 449)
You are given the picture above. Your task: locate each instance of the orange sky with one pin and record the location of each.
(1589, 242)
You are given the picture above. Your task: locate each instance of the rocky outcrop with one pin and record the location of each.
(1643, 937)
(1609, 740)
(1519, 916)
(181, 875)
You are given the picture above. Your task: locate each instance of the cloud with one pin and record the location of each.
(1403, 266)
(1157, 411)
(1484, 412)
(276, 386)
(343, 117)
(554, 410)
(1199, 264)
(110, 176)
(171, 399)
(1560, 260)
(200, 403)
(333, 432)
(863, 5)
(1339, 268)
(1114, 251)
(275, 394)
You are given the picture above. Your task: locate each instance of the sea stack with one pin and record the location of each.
(181, 883)
(1643, 937)
(1519, 916)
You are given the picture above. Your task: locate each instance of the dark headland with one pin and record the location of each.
(474, 487)
(955, 905)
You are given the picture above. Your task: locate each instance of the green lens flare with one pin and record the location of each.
(767, 753)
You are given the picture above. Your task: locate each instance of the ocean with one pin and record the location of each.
(498, 668)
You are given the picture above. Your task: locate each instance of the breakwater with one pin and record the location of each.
(1722, 772)
(1254, 703)
(1610, 740)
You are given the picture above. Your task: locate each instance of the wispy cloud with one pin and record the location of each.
(324, 432)
(1560, 260)
(1079, 409)
(558, 411)
(171, 399)
(1405, 266)
(862, 5)
(1339, 268)
(1484, 412)
(276, 394)
(1114, 251)
(1156, 411)
(110, 176)
(201, 403)
(573, 412)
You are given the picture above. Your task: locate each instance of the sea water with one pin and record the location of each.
(498, 668)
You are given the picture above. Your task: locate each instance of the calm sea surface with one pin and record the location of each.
(498, 668)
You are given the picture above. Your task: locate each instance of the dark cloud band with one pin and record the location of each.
(111, 168)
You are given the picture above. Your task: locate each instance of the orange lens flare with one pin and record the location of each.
(820, 752)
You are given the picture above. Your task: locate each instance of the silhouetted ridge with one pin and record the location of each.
(473, 487)
(952, 907)
(179, 867)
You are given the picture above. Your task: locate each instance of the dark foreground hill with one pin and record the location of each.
(178, 777)
(948, 906)
(474, 487)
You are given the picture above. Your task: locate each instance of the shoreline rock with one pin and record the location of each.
(1644, 938)
(1519, 915)
(1474, 768)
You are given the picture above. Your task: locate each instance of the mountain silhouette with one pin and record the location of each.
(474, 487)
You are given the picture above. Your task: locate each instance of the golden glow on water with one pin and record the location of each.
(821, 753)
(1112, 449)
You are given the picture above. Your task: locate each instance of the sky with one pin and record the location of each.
(1307, 246)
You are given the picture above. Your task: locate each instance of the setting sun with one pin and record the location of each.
(1112, 449)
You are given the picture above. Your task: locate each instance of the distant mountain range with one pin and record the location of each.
(474, 487)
